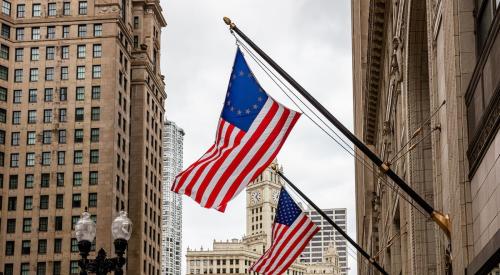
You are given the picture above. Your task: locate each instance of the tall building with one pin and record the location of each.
(237, 256)
(327, 237)
(81, 108)
(171, 216)
(427, 101)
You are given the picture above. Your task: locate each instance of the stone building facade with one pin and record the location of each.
(171, 216)
(427, 101)
(81, 112)
(237, 256)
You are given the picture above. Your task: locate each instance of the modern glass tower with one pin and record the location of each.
(173, 137)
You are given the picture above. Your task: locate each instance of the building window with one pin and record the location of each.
(82, 7)
(51, 9)
(81, 51)
(80, 72)
(64, 76)
(96, 71)
(65, 52)
(80, 93)
(45, 158)
(47, 137)
(13, 181)
(48, 94)
(49, 73)
(29, 179)
(30, 159)
(78, 135)
(12, 204)
(3, 116)
(62, 136)
(97, 50)
(136, 22)
(2, 137)
(11, 226)
(50, 53)
(34, 75)
(25, 250)
(32, 95)
(82, 30)
(65, 31)
(42, 249)
(78, 157)
(63, 94)
(3, 94)
(4, 52)
(19, 54)
(14, 160)
(136, 41)
(59, 201)
(56, 268)
(93, 178)
(15, 137)
(44, 202)
(77, 178)
(4, 73)
(60, 179)
(45, 180)
(28, 205)
(21, 11)
(35, 33)
(94, 156)
(37, 10)
(43, 224)
(96, 92)
(17, 96)
(61, 157)
(30, 139)
(62, 115)
(51, 32)
(6, 5)
(35, 54)
(73, 268)
(9, 248)
(92, 199)
(94, 135)
(66, 8)
(20, 34)
(47, 116)
(77, 200)
(96, 113)
(58, 225)
(79, 114)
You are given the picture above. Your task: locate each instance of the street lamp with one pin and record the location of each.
(121, 229)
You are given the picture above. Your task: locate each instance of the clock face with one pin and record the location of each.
(255, 196)
(276, 196)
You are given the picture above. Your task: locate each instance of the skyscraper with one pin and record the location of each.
(326, 237)
(171, 220)
(81, 108)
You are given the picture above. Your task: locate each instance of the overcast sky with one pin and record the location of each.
(312, 41)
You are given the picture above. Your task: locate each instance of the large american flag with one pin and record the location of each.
(252, 128)
(292, 231)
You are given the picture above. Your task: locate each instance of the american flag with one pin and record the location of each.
(251, 130)
(292, 231)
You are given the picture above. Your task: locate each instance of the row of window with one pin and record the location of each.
(29, 180)
(44, 204)
(50, 52)
(41, 268)
(46, 158)
(48, 94)
(34, 73)
(46, 137)
(37, 10)
(42, 247)
(36, 32)
(48, 115)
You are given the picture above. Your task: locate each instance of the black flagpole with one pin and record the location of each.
(443, 221)
(325, 216)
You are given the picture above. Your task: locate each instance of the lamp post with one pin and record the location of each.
(85, 228)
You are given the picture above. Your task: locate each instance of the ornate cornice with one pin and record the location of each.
(375, 55)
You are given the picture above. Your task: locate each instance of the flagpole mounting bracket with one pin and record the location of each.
(443, 221)
(228, 22)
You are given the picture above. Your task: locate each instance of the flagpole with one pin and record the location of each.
(330, 221)
(443, 221)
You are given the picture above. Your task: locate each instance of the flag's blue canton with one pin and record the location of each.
(245, 98)
(287, 211)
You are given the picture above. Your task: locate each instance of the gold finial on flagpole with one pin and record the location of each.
(229, 22)
(443, 221)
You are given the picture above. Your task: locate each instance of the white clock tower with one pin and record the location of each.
(262, 200)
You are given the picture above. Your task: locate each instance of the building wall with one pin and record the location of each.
(173, 137)
(102, 180)
(425, 101)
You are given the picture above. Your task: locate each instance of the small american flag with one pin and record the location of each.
(292, 231)
(251, 130)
